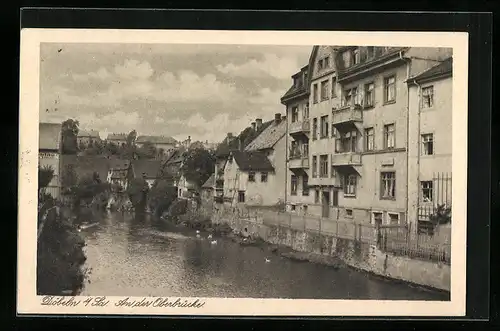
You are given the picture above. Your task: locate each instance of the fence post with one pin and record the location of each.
(290, 221)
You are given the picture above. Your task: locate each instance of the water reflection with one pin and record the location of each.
(138, 255)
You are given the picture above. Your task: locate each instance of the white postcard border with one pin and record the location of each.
(29, 303)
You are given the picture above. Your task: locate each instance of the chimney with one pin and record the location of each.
(258, 123)
(253, 126)
(230, 135)
(277, 118)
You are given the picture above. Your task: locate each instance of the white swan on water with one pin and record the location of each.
(197, 231)
(209, 236)
(213, 242)
(267, 260)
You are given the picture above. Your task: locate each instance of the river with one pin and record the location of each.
(143, 257)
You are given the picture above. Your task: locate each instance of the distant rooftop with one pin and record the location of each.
(117, 136)
(156, 139)
(88, 133)
(442, 68)
(269, 137)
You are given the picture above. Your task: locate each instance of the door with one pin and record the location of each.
(325, 204)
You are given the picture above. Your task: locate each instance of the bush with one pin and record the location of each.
(178, 207)
(60, 257)
(161, 196)
(137, 192)
(441, 216)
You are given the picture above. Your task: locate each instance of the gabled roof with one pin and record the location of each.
(252, 161)
(117, 136)
(156, 139)
(176, 157)
(443, 68)
(269, 137)
(210, 182)
(50, 136)
(89, 133)
(149, 168)
(295, 90)
(246, 136)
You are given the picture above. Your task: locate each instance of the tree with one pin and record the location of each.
(69, 177)
(69, 136)
(45, 175)
(132, 136)
(198, 166)
(137, 191)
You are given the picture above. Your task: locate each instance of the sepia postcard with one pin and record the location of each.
(242, 173)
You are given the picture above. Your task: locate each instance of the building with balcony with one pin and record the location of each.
(296, 100)
(430, 142)
(358, 137)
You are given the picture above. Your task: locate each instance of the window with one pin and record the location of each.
(293, 185)
(316, 196)
(369, 95)
(428, 97)
(377, 218)
(326, 62)
(347, 142)
(306, 111)
(323, 166)
(263, 177)
(295, 114)
(315, 129)
(389, 136)
(315, 93)
(334, 83)
(315, 166)
(305, 185)
(355, 56)
(335, 198)
(324, 127)
(346, 58)
(348, 212)
(241, 196)
(350, 96)
(324, 90)
(393, 218)
(427, 144)
(305, 149)
(426, 190)
(350, 185)
(370, 52)
(388, 185)
(369, 139)
(295, 81)
(251, 176)
(320, 64)
(390, 89)
(305, 209)
(293, 207)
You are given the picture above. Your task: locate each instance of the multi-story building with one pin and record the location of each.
(430, 141)
(296, 100)
(359, 129)
(164, 144)
(49, 154)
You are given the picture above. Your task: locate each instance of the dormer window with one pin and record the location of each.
(355, 56)
(320, 64)
(326, 62)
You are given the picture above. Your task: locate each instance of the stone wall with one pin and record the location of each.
(358, 254)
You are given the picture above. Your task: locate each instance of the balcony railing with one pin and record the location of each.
(346, 159)
(298, 163)
(347, 114)
(300, 127)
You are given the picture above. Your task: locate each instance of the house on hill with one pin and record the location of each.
(164, 143)
(118, 139)
(120, 173)
(86, 138)
(49, 154)
(146, 169)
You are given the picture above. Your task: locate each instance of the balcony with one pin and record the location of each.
(346, 159)
(298, 162)
(347, 114)
(299, 127)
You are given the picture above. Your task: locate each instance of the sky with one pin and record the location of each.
(202, 91)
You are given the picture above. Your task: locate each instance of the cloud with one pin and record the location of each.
(124, 121)
(101, 74)
(271, 65)
(133, 69)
